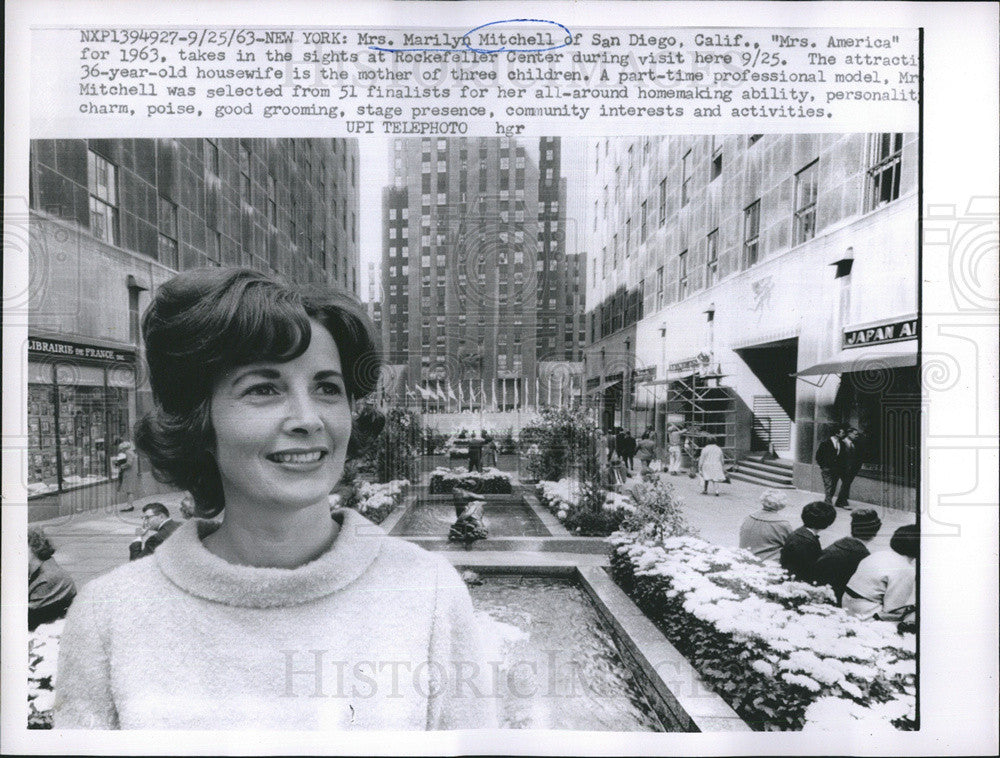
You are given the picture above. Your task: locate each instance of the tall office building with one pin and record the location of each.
(112, 219)
(763, 288)
(474, 267)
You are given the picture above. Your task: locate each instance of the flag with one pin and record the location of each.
(451, 393)
(517, 400)
(422, 391)
(494, 387)
(461, 396)
(440, 393)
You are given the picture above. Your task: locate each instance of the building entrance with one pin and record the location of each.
(773, 364)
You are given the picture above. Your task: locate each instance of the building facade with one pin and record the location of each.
(777, 286)
(111, 220)
(474, 269)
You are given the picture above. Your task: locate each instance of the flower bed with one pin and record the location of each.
(43, 653)
(777, 650)
(490, 482)
(373, 500)
(572, 504)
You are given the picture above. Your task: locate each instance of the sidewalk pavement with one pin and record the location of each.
(90, 544)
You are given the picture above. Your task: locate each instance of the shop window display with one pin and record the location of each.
(72, 428)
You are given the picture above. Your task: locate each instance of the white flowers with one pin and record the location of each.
(373, 496)
(43, 654)
(566, 494)
(803, 639)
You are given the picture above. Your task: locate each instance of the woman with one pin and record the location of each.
(275, 616)
(127, 472)
(50, 589)
(884, 585)
(711, 466)
(646, 452)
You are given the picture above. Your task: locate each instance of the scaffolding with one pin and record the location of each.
(707, 407)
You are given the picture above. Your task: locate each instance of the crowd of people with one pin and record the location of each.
(880, 584)
(689, 451)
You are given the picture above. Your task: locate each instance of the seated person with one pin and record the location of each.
(156, 527)
(837, 564)
(884, 586)
(763, 533)
(801, 549)
(50, 589)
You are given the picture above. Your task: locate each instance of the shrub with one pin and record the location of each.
(373, 500)
(585, 508)
(561, 442)
(395, 453)
(776, 650)
(491, 482)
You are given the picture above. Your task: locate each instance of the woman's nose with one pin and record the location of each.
(301, 414)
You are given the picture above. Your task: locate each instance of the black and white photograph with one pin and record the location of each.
(687, 347)
(581, 433)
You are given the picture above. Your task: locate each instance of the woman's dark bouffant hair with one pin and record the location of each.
(208, 320)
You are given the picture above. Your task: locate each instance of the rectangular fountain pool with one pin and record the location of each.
(510, 517)
(558, 665)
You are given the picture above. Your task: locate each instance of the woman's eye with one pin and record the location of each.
(330, 388)
(261, 390)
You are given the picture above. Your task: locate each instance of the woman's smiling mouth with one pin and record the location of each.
(297, 456)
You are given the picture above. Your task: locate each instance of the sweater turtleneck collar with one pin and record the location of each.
(186, 562)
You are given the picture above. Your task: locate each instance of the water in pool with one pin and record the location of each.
(502, 519)
(559, 668)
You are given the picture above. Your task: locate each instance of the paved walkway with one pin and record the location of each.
(90, 544)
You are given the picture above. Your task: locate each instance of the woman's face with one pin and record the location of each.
(281, 429)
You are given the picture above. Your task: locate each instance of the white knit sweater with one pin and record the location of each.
(374, 634)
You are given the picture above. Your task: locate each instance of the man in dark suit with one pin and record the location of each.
(850, 465)
(156, 527)
(828, 456)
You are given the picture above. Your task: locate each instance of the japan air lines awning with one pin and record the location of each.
(848, 362)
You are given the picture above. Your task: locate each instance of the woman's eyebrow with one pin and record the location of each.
(264, 373)
(328, 374)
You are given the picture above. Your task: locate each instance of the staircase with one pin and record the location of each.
(775, 473)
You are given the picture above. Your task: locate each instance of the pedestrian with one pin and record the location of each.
(828, 457)
(837, 564)
(253, 386)
(629, 447)
(646, 451)
(850, 465)
(711, 466)
(50, 589)
(611, 440)
(764, 533)
(490, 452)
(884, 585)
(617, 472)
(675, 439)
(692, 451)
(475, 453)
(802, 548)
(126, 471)
(156, 527)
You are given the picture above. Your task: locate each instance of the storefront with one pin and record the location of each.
(81, 400)
(878, 394)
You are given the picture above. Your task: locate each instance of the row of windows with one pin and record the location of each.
(883, 184)
(104, 211)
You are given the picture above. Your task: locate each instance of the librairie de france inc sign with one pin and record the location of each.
(76, 350)
(895, 331)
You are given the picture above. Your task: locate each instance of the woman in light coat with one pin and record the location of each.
(711, 467)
